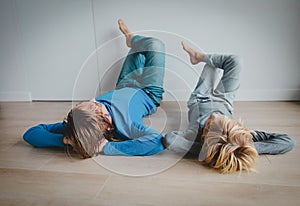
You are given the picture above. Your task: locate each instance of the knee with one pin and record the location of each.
(235, 60)
(154, 44)
(235, 57)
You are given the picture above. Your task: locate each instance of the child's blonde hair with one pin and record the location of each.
(229, 145)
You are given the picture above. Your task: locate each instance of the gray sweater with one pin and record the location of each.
(265, 143)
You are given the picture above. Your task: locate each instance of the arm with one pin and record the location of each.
(183, 142)
(45, 135)
(145, 141)
(272, 143)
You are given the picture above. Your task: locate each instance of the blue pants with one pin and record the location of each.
(144, 67)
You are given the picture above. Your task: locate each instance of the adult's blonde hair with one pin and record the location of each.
(86, 126)
(229, 146)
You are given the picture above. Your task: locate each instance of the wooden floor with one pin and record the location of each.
(32, 176)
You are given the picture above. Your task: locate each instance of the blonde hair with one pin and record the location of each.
(86, 127)
(229, 146)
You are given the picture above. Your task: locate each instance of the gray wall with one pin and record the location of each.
(47, 48)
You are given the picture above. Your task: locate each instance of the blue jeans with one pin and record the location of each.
(144, 67)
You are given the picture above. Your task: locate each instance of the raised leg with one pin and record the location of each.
(213, 85)
(230, 81)
(210, 86)
(144, 66)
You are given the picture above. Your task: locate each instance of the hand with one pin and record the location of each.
(101, 145)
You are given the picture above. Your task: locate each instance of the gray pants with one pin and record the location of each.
(214, 93)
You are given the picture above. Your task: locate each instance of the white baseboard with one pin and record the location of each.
(244, 95)
(15, 96)
(269, 95)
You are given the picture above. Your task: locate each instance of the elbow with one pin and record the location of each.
(27, 137)
(291, 143)
(30, 137)
(288, 145)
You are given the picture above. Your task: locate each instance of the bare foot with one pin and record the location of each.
(195, 57)
(124, 29)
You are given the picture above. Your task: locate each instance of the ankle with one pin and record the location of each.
(200, 56)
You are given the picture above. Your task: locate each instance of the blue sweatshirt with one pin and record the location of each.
(127, 107)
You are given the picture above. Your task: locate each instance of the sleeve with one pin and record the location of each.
(45, 135)
(183, 142)
(144, 141)
(272, 143)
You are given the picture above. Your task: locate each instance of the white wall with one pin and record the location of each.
(13, 76)
(47, 44)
